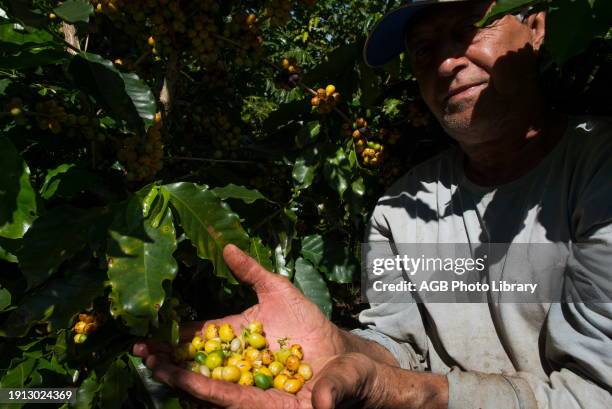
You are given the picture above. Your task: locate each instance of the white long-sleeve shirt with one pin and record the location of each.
(508, 355)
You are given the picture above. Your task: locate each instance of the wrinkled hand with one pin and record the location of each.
(284, 311)
(344, 381)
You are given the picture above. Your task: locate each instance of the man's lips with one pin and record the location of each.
(462, 90)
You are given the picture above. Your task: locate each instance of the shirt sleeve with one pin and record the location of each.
(393, 320)
(577, 337)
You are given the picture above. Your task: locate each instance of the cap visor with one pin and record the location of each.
(386, 41)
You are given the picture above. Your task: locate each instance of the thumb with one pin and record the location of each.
(250, 272)
(325, 394)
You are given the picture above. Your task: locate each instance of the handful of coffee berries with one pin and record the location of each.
(217, 352)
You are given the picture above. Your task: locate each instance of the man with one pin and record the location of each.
(523, 174)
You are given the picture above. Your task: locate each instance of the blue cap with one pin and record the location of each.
(386, 41)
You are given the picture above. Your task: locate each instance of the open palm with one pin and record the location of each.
(285, 312)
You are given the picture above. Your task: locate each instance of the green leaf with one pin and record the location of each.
(8, 248)
(286, 113)
(55, 237)
(503, 7)
(337, 171)
(17, 377)
(261, 253)
(308, 134)
(114, 385)
(338, 264)
(5, 299)
(4, 84)
(126, 96)
(312, 248)
(312, 285)
(282, 265)
(335, 65)
(391, 107)
(156, 394)
(302, 173)
(232, 191)
(75, 11)
(55, 303)
(369, 84)
(570, 28)
(27, 36)
(67, 181)
(20, 10)
(208, 222)
(17, 198)
(33, 58)
(87, 392)
(305, 168)
(358, 187)
(139, 261)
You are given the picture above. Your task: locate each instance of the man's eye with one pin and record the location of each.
(422, 51)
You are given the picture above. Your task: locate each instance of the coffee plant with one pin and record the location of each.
(139, 137)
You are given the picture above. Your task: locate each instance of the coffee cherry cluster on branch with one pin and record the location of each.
(168, 25)
(203, 40)
(224, 135)
(325, 99)
(143, 159)
(289, 75)
(244, 29)
(52, 116)
(372, 154)
(217, 352)
(279, 12)
(86, 325)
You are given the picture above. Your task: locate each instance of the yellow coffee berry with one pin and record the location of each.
(292, 386)
(276, 367)
(279, 381)
(231, 374)
(212, 345)
(246, 379)
(267, 357)
(293, 363)
(296, 350)
(244, 365)
(252, 354)
(226, 333)
(305, 371)
(197, 342)
(211, 331)
(255, 327)
(265, 371)
(79, 327)
(217, 373)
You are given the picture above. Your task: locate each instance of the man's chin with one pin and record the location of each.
(458, 121)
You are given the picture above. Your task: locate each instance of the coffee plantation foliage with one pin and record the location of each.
(138, 137)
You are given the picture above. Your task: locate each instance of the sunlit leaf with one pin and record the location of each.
(208, 222)
(312, 285)
(17, 198)
(139, 261)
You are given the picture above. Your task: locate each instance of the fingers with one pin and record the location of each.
(250, 272)
(325, 394)
(221, 393)
(148, 347)
(340, 382)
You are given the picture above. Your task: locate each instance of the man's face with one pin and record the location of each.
(471, 77)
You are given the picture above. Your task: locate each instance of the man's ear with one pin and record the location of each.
(537, 25)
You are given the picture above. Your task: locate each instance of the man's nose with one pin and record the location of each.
(451, 59)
